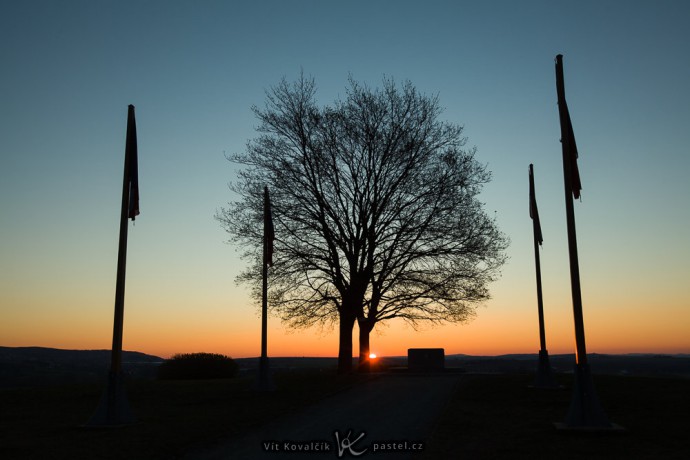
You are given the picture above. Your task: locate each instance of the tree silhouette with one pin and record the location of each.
(375, 210)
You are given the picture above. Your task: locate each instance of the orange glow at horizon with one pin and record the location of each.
(164, 327)
(496, 330)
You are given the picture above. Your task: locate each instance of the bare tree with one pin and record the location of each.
(376, 211)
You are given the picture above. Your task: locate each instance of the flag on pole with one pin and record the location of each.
(533, 211)
(567, 134)
(131, 152)
(269, 231)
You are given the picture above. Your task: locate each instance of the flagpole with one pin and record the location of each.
(113, 409)
(264, 310)
(580, 346)
(585, 411)
(536, 231)
(118, 323)
(544, 377)
(264, 383)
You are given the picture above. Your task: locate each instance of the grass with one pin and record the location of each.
(174, 416)
(499, 417)
(488, 417)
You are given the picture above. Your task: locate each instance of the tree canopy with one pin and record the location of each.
(375, 206)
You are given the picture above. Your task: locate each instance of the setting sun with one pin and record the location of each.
(372, 355)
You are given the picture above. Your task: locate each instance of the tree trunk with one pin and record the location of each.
(365, 328)
(347, 323)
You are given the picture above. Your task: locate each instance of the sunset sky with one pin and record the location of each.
(193, 69)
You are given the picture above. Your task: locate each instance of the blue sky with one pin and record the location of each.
(194, 69)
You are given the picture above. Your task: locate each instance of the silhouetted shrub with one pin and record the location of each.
(198, 366)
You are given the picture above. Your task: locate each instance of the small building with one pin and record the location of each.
(426, 359)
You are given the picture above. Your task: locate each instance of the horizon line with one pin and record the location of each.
(497, 355)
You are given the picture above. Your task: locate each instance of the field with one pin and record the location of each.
(46, 423)
(489, 416)
(500, 417)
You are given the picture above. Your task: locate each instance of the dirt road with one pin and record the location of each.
(388, 417)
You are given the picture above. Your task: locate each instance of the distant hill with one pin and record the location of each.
(637, 364)
(37, 366)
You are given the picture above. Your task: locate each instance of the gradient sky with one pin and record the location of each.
(193, 69)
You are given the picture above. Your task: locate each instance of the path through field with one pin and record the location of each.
(390, 416)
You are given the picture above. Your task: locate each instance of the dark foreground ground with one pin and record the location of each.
(500, 417)
(390, 416)
(483, 417)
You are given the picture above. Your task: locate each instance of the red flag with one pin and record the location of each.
(567, 134)
(131, 154)
(269, 231)
(533, 211)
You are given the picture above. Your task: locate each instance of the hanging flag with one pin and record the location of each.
(533, 211)
(567, 134)
(131, 153)
(269, 232)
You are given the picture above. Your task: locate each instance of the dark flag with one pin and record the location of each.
(131, 153)
(567, 134)
(269, 232)
(533, 211)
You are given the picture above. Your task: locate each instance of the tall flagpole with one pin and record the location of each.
(118, 323)
(264, 382)
(113, 410)
(585, 411)
(544, 377)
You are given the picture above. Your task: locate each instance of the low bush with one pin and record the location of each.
(191, 366)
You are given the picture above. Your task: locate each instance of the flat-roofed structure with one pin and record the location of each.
(425, 359)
